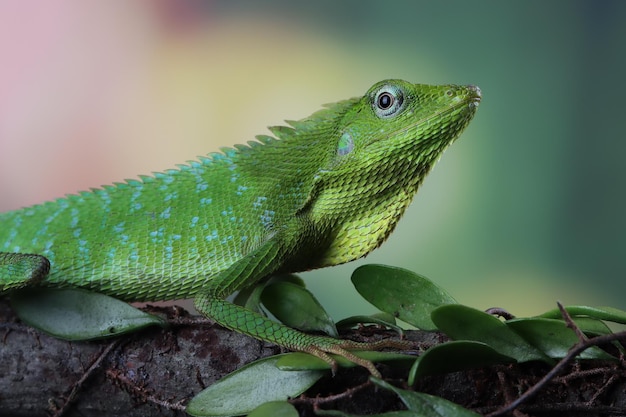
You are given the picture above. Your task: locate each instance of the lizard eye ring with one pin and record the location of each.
(388, 101)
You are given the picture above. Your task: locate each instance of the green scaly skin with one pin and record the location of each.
(325, 190)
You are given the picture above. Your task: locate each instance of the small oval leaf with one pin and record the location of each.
(425, 405)
(296, 307)
(402, 293)
(299, 361)
(601, 313)
(381, 319)
(250, 298)
(552, 337)
(465, 323)
(336, 413)
(76, 314)
(274, 409)
(247, 388)
(455, 356)
(592, 327)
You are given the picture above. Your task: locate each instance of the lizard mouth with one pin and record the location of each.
(475, 95)
(468, 102)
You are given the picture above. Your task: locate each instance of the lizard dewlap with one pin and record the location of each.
(322, 191)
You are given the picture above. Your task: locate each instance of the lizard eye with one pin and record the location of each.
(385, 101)
(388, 101)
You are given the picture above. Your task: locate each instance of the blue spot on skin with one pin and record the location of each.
(267, 217)
(259, 202)
(104, 195)
(75, 215)
(212, 236)
(119, 228)
(83, 250)
(137, 193)
(194, 221)
(226, 239)
(166, 213)
(205, 201)
(157, 235)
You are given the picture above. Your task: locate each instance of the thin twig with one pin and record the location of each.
(569, 322)
(498, 311)
(584, 374)
(331, 398)
(571, 355)
(143, 394)
(604, 388)
(78, 384)
(190, 321)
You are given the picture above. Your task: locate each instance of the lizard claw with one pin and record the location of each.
(327, 346)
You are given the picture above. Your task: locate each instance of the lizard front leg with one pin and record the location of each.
(210, 301)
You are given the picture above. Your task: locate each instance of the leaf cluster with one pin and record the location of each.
(263, 388)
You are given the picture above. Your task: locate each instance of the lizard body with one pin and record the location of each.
(322, 191)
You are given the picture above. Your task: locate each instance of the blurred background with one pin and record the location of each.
(525, 209)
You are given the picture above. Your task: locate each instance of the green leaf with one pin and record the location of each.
(402, 293)
(247, 388)
(296, 307)
(381, 319)
(76, 314)
(300, 361)
(552, 337)
(592, 327)
(465, 323)
(292, 278)
(455, 356)
(335, 413)
(250, 297)
(601, 313)
(274, 409)
(425, 405)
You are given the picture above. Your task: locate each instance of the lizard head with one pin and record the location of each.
(382, 147)
(396, 121)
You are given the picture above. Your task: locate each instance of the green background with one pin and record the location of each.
(525, 209)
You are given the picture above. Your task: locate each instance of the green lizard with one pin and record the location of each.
(326, 190)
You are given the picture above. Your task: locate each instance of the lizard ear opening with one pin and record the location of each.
(388, 101)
